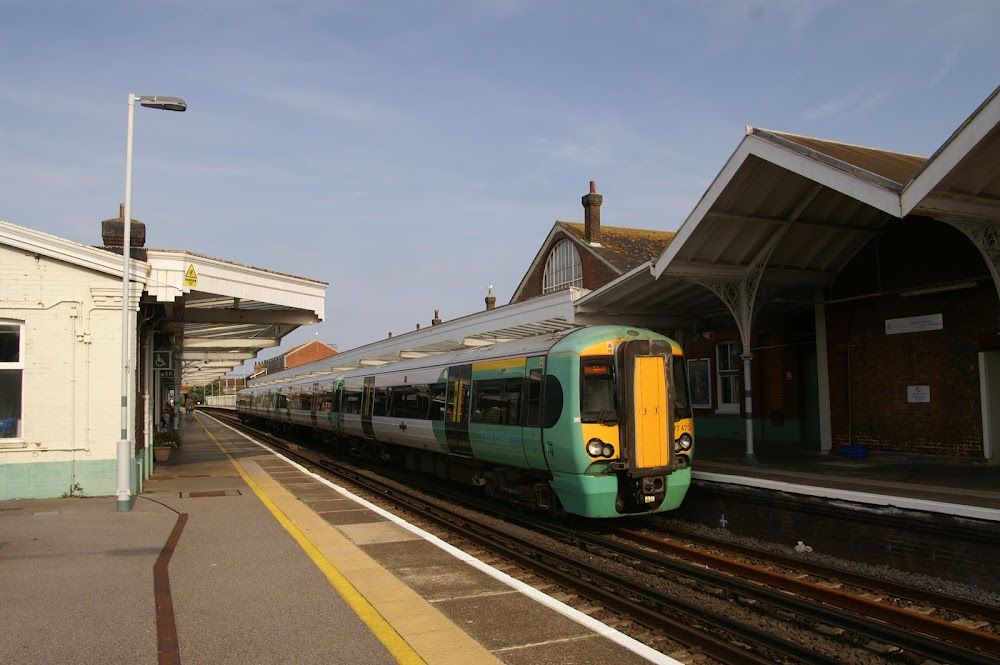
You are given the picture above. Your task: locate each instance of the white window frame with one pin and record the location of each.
(726, 355)
(563, 268)
(17, 366)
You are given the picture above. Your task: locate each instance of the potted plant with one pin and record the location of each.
(163, 443)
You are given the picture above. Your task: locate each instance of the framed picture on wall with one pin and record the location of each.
(700, 380)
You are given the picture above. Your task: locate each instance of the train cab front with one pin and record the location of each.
(636, 419)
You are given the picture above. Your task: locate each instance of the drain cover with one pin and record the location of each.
(209, 493)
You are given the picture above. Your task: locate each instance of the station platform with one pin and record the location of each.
(964, 488)
(233, 554)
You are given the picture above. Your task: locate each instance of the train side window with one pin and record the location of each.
(381, 405)
(436, 396)
(512, 401)
(497, 401)
(487, 402)
(352, 402)
(552, 401)
(326, 397)
(406, 403)
(421, 403)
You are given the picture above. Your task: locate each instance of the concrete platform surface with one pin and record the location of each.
(234, 555)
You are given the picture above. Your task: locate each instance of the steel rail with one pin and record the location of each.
(963, 606)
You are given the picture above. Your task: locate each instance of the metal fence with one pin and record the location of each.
(221, 400)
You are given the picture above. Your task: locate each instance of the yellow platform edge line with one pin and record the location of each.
(385, 633)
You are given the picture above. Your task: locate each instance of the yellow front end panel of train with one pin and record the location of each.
(652, 442)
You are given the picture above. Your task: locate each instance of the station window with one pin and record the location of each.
(563, 268)
(727, 370)
(11, 371)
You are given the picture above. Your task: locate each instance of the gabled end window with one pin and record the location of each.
(563, 268)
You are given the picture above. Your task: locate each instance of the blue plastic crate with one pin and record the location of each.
(854, 451)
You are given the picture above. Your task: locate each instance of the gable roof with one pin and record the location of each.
(883, 167)
(622, 247)
(68, 251)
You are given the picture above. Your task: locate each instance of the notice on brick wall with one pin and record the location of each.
(918, 394)
(914, 324)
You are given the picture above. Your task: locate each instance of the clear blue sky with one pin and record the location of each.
(413, 153)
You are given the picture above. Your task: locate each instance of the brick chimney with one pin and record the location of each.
(113, 231)
(491, 301)
(592, 215)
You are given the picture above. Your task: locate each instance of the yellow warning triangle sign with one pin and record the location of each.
(190, 277)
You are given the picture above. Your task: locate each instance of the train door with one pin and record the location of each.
(647, 430)
(532, 434)
(315, 404)
(336, 397)
(456, 417)
(367, 403)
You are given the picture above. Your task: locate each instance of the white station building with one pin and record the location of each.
(193, 319)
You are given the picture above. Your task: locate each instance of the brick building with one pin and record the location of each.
(829, 294)
(300, 355)
(588, 255)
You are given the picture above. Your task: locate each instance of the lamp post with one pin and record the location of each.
(123, 492)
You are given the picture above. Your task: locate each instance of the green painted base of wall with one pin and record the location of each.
(736, 429)
(47, 480)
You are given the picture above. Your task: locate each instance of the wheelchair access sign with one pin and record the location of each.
(161, 360)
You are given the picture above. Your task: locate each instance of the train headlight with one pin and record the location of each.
(685, 442)
(597, 448)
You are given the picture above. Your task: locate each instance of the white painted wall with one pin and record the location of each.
(71, 383)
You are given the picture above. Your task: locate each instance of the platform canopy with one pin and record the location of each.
(217, 314)
(786, 213)
(540, 316)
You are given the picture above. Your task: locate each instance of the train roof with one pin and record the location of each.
(498, 351)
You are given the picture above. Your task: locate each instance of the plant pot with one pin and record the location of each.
(161, 453)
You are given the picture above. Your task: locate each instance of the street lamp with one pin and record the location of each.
(123, 491)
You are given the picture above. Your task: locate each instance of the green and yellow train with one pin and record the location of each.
(595, 421)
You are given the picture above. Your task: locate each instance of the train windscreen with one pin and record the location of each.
(598, 393)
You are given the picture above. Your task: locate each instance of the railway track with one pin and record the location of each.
(730, 613)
